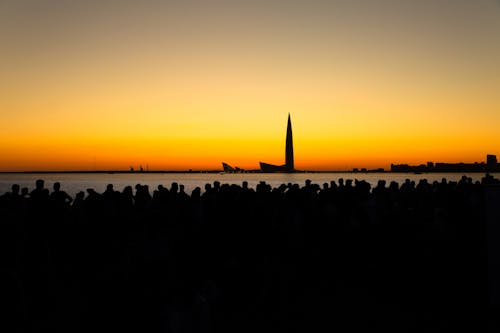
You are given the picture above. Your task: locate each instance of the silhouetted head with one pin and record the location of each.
(109, 187)
(15, 189)
(57, 186)
(308, 182)
(216, 185)
(394, 185)
(174, 188)
(245, 184)
(25, 191)
(40, 183)
(181, 188)
(128, 190)
(196, 192)
(80, 195)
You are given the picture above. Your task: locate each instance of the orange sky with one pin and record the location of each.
(180, 85)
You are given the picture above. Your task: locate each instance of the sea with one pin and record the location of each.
(72, 183)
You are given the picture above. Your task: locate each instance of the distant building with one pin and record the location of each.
(289, 160)
(229, 169)
(491, 165)
(289, 164)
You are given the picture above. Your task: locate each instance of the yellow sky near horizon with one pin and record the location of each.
(187, 85)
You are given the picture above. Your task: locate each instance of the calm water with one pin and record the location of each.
(72, 183)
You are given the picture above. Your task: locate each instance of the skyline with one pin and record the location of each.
(184, 85)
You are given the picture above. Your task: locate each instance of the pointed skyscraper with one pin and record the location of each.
(289, 147)
(288, 166)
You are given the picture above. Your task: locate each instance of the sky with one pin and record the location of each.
(177, 85)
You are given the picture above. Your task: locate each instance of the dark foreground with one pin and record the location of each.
(340, 257)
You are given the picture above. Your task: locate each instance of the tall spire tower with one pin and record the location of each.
(288, 166)
(289, 147)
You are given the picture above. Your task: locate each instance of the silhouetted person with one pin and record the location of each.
(61, 198)
(25, 192)
(39, 196)
(78, 205)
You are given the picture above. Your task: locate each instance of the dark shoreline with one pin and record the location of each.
(221, 172)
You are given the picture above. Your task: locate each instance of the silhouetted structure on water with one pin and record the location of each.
(227, 168)
(491, 165)
(340, 256)
(289, 161)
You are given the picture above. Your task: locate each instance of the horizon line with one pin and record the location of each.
(212, 171)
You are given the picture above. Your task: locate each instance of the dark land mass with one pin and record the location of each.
(322, 257)
(490, 165)
(410, 170)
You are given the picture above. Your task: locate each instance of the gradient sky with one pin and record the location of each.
(188, 84)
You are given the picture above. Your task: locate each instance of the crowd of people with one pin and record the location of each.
(402, 257)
